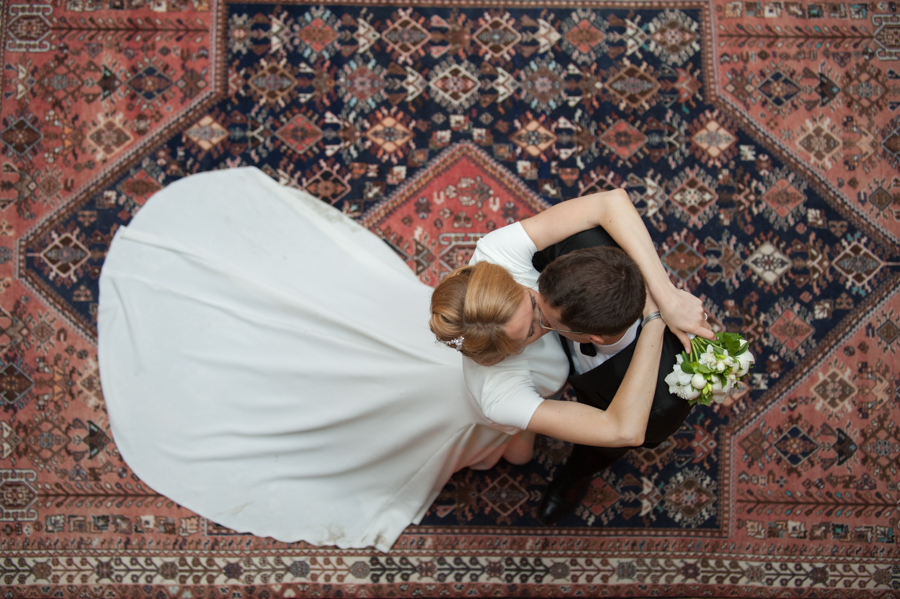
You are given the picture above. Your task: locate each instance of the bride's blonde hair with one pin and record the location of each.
(470, 308)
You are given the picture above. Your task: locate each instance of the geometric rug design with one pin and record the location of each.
(760, 141)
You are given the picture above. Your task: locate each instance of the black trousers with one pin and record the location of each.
(598, 386)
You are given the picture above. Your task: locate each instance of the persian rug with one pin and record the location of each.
(760, 141)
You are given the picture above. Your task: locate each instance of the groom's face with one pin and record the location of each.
(552, 320)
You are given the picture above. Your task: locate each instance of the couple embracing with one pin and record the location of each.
(556, 295)
(267, 363)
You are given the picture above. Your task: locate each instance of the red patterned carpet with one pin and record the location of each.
(759, 140)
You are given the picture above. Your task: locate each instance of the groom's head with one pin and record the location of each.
(598, 291)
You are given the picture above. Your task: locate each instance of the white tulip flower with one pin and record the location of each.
(677, 376)
(745, 360)
(698, 381)
(708, 358)
(685, 392)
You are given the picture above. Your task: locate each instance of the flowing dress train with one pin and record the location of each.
(266, 363)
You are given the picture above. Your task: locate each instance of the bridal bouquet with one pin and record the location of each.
(712, 369)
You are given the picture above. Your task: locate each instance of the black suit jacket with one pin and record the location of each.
(598, 386)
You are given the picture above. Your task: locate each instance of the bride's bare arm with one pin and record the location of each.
(614, 211)
(624, 423)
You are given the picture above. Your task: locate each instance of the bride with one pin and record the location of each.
(267, 363)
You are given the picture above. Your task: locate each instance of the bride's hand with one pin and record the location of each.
(683, 314)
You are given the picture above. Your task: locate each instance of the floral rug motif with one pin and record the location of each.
(760, 141)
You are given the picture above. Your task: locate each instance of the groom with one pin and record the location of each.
(598, 361)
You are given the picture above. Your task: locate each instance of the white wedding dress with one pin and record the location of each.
(266, 363)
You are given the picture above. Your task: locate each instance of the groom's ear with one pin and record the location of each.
(597, 340)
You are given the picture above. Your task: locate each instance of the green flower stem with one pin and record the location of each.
(698, 346)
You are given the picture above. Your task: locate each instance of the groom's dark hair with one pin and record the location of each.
(598, 290)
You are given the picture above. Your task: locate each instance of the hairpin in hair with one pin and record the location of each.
(454, 343)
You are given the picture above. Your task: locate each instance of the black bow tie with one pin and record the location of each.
(588, 349)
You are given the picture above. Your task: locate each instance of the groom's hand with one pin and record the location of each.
(683, 314)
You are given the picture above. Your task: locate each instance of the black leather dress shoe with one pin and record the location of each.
(562, 497)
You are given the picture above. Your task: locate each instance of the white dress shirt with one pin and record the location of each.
(585, 363)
